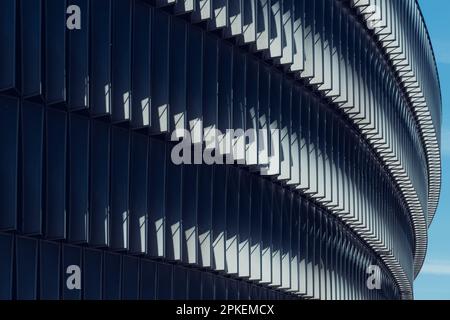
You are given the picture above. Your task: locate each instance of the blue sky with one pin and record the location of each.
(434, 280)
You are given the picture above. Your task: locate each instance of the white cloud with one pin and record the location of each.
(445, 141)
(441, 268)
(442, 50)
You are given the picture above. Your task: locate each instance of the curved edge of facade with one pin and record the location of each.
(421, 110)
(435, 154)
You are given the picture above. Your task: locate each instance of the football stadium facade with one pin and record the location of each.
(331, 199)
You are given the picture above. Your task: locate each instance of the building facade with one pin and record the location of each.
(329, 198)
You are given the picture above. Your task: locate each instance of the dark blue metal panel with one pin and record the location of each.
(232, 290)
(233, 194)
(9, 140)
(219, 217)
(164, 282)
(92, 274)
(100, 57)
(32, 165)
(210, 78)
(207, 286)
(130, 278)
(266, 232)
(244, 291)
(26, 264)
(100, 182)
(141, 65)
(138, 193)
(179, 289)
(194, 284)
(121, 59)
(8, 39)
(277, 217)
(112, 275)
(255, 292)
(77, 59)
(31, 44)
(205, 211)
(147, 280)
(174, 184)
(120, 166)
(224, 91)
(239, 90)
(56, 156)
(190, 205)
(220, 288)
(263, 114)
(173, 193)
(55, 45)
(194, 84)
(156, 199)
(286, 240)
(160, 72)
(49, 270)
(178, 75)
(274, 122)
(256, 228)
(6, 266)
(78, 178)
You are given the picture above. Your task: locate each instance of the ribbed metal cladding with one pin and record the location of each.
(416, 69)
(346, 93)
